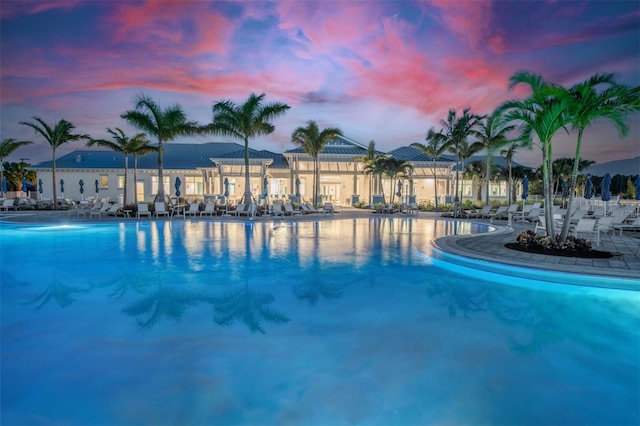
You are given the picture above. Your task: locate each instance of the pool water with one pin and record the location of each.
(327, 323)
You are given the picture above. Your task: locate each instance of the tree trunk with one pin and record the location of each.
(572, 189)
(135, 179)
(126, 168)
(160, 195)
(548, 198)
(488, 177)
(246, 198)
(53, 175)
(435, 183)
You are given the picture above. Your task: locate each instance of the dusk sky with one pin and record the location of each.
(379, 70)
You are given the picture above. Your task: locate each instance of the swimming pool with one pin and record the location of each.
(330, 322)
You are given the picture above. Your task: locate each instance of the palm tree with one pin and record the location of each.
(246, 121)
(139, 146)
(368, 158)
(313, 141)
(123, 145)
(56, 136)
(508, 154)
(435, 147)
(395, 169)
(455, 132)
(376, 168)
(543, 113)
(465, 151)
(164, 124)
(7, 146)
(477, 172)
(586, 106)
(491, 134)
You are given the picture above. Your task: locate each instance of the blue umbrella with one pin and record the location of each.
(298, 187)
(637, 185)
(4, 184)
(588, 188)
(97, 187)
(40, 186)
(525, 188)
(265, 184)
(81, 186)
(24, 184)
(565, 189)
(606, 188)
(226, 187)
(177, 185)
(62, 185)
(399, 191)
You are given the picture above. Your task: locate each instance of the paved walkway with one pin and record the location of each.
(490, 247)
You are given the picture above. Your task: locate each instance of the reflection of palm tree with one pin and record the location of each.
(165, 302)
(58, 292)
(458, 297)
(247, 306)
(122, 286)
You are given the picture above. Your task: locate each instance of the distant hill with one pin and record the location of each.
(619, 167)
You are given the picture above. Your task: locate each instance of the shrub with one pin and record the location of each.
(530, 239)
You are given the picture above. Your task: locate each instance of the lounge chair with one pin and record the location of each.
(114, 210)
(541, 225)
(160, 209)
(577, 215)
(143, 210)
(597, 212)
(533, 215)
(410, 208)
(241, 210)
(104, 208)
(209, 210)
(605, 224)
(633, 226)
(501, 213)
(478, 214)
(587, 227)
(289, 210)
(276, 208)
(308, 208)
(194, 209)
(8, 204)
(327, 208)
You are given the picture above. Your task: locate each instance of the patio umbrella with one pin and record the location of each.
(4, 185)
(97, 188)
(605, 194)
(81, 183)
(565, 191)
(226, 187)
(62, 185)
(24, 184)
(177, 185)
(298, 187)
(40, 186)
(588, 188)
(399, 191)
(636, 183)
(525, 193)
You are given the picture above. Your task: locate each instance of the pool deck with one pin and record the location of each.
(490, 247)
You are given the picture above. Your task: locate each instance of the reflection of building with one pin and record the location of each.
(203, 168)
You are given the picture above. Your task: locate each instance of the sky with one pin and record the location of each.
(385, 71)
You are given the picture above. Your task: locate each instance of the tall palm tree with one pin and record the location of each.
(246, 121)
(368, 158)
(588, 105)
(376, 168)
(395, 169)
(491, 133)
(56, 136)
(508, 154)
(476, 171)
(7, 146)
(436, 146)
(464, 152)
(455, 131)
(313, 141)
(543, 113)
(138, 147)
(164, 124)
(123, 145)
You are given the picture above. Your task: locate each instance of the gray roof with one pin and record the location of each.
(339, 146)
(409, 153)
(495, 160)
(177, 156)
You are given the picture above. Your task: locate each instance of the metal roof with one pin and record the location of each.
(177, 156)
(409, 153)
(495, 160)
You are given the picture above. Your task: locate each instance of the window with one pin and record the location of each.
(120, 181)
(104, 181)
(194, 185)
(154, 184)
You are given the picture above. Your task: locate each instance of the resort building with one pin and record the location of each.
(206, 170)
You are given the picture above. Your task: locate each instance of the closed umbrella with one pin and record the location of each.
(399, 190)
(177, 185)
(606, 191)
(565, 191)
(62, 186)
(24, 184)
(97, 188)
(298, 187)
(4, 185)
(525, 193)
(636, 183)
(588, 189)
(40, 187)
(81, 183)
(226, 187)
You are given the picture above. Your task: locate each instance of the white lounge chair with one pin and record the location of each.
(194, 209)
(241, 210)
(143, 210)
(587, 227)
(114, 210)
(478, 214)
(308, 208)
(289, 210)
(8, 204)
(502, 210)
(160, 209)
(327, 208)
(209, 210)
(104, 208)
(633, 226)
(276, 208)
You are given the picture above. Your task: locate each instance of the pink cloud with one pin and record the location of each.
(11, 9)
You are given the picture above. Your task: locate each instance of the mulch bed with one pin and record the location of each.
(588, 254)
